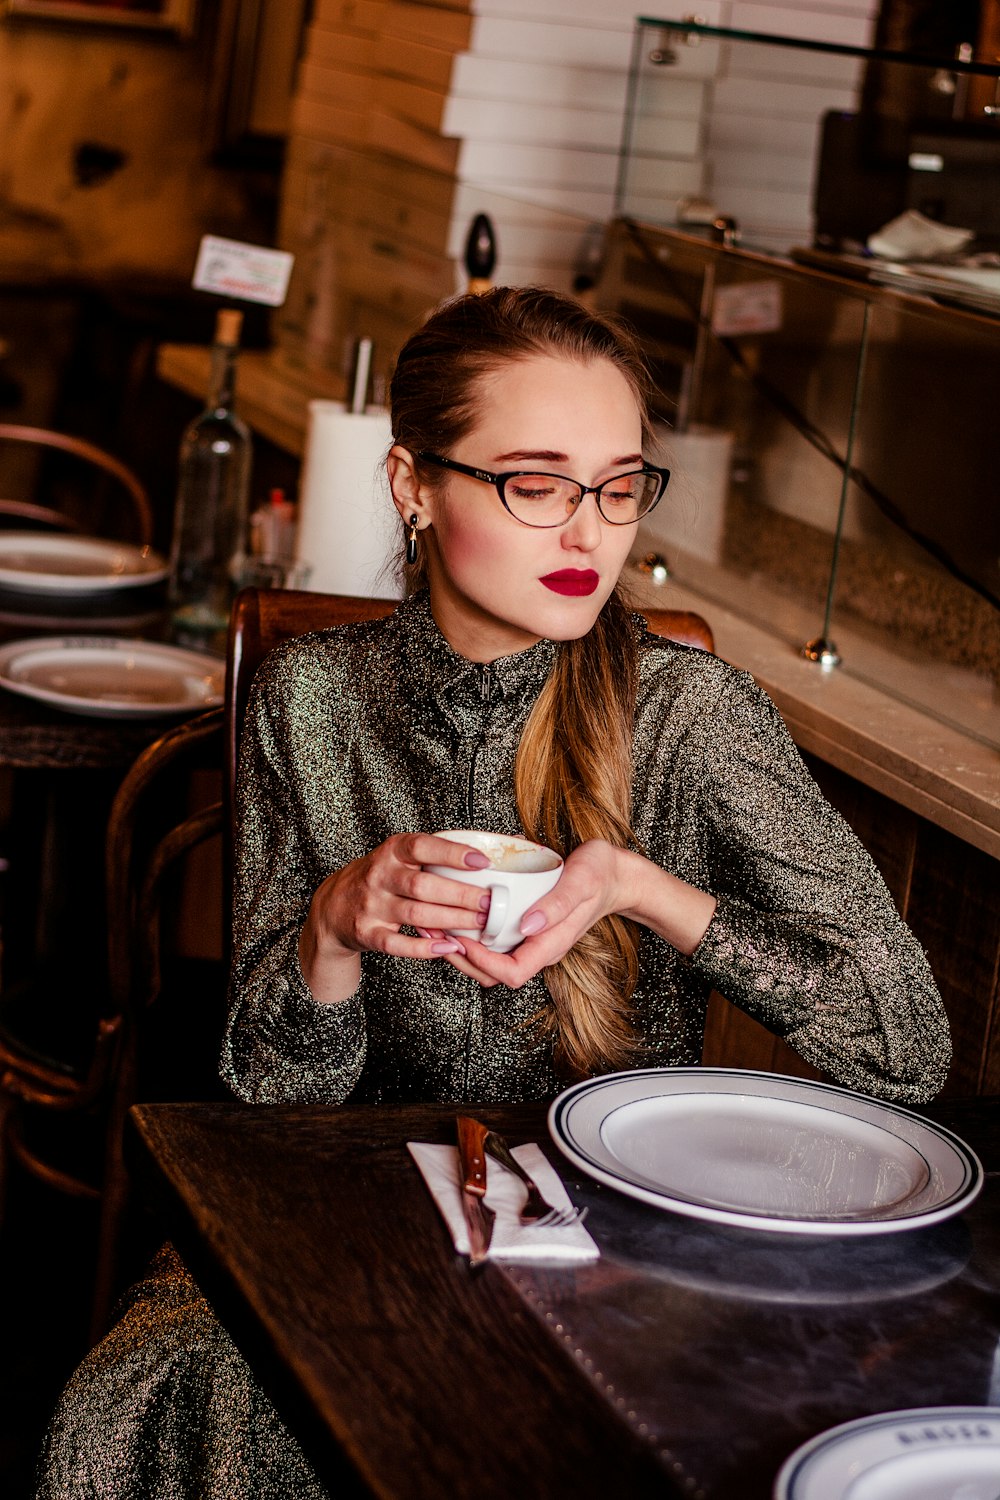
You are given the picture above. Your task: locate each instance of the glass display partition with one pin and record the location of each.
(805, 143)
(830, 415)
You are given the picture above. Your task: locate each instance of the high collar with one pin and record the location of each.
(437, 671)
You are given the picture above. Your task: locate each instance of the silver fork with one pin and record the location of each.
(535, 1210)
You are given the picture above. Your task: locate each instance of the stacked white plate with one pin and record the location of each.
(108, 677)
(56, 563)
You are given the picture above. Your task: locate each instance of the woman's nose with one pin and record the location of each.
(583, 532)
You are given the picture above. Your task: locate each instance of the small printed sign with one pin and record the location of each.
(747, 307)
(251, 273)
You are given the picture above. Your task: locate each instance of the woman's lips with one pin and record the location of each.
(577, 581)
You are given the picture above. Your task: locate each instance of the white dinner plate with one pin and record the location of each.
(930, 1453)
(58, 563)
(762, 1151)
(110, 677)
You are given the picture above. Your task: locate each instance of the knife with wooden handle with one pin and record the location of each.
(472, 1170)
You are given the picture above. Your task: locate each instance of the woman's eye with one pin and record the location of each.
(532, 489)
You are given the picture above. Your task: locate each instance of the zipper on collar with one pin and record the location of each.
(489, 688)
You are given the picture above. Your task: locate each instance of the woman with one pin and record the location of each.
(513, 693)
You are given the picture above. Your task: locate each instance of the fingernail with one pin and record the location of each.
(481, 919)
(532, 923)
(476, 860)
(451, 947)
(484, 901)
(423, 932)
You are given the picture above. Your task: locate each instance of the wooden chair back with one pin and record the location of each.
(681, 625)
(88, 453)
(263, 618)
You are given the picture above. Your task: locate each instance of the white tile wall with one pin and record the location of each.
(750, 138)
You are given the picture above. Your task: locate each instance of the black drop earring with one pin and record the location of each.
(411, 542)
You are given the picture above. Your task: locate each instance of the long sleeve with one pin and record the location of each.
(806, 937)
(280, 1043)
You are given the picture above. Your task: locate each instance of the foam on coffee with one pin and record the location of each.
(515, 859)
(513, 856)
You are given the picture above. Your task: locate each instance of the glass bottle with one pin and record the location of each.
(210, 518)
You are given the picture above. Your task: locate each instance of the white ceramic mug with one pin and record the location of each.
(519, 873)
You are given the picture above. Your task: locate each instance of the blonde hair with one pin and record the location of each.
(573, 771)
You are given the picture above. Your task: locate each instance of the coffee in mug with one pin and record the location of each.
(519, 873)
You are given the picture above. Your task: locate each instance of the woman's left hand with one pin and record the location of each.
(597, 879)
(591, 885)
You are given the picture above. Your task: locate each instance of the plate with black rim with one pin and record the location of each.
(928, 1453)
(763, 1151)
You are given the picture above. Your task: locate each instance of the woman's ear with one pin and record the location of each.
(407, 491)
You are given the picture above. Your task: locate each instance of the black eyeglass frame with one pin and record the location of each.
(499, 481)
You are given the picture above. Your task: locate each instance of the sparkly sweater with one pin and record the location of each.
(367, 730)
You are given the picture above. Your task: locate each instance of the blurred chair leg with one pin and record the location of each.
(114, 1196)
(6, 1108)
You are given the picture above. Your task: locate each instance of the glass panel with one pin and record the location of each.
(773, 349)
(756, 363)
(803, 144)
(920, 552)
(751, 511)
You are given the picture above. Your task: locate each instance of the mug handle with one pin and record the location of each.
(497, 914)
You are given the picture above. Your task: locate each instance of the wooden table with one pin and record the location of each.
(690, 1360)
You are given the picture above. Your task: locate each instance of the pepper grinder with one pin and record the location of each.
(480, 254)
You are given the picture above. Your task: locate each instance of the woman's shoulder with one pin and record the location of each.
(339, 656)
(667, 664)
(687, 681)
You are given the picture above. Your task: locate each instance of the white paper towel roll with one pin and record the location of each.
(692, 513)
(348, 527)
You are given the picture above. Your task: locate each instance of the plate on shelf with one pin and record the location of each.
(39, 562)
(930, 1453)
(112, 678)
(766, 1152)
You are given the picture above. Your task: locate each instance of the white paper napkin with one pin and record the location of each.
(511, 1240)
(913, 237)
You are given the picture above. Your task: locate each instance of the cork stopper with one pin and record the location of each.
(228, 324)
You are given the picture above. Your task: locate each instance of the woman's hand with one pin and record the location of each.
(597, 879)
(362, 906)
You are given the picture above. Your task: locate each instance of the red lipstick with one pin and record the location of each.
(576, 581)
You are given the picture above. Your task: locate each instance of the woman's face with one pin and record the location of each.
(496, 585)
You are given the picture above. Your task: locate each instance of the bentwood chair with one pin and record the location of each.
(64, 1091)
(261, 619)
(64, 515)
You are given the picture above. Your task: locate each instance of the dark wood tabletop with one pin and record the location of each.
(690, 1360)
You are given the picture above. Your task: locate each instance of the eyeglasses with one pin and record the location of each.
(547, 500)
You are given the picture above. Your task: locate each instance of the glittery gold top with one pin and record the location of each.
(367, 730)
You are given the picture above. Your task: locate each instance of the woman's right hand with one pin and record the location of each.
(362, 906)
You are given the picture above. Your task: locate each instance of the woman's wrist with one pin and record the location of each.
(670, 907)
(330, 969)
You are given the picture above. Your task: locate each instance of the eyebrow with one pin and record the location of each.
(545, 455)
